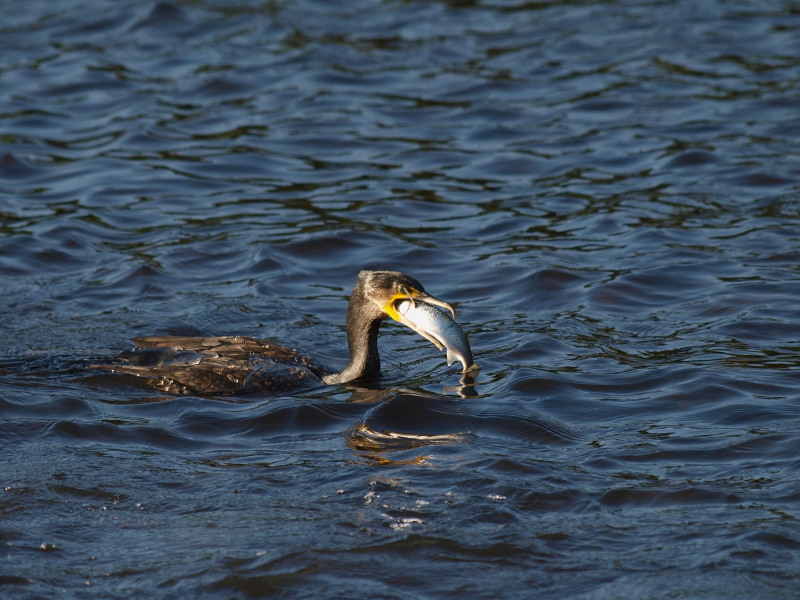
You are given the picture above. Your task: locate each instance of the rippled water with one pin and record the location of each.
(608, 192)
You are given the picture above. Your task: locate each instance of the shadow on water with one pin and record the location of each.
(404, 420)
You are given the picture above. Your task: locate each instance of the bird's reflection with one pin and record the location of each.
(403, 420)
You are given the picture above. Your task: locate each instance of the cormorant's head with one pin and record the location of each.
(400, 297)
(386, 289)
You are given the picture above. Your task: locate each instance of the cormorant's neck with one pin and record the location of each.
(362, 338)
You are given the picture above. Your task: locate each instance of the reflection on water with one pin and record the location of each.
(607, 192)
(405, 420)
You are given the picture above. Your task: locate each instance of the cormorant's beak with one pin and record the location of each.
(390, 308)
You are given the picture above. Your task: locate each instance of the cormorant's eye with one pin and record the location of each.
(403, 290)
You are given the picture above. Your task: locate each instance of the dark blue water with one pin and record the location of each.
(609, 192)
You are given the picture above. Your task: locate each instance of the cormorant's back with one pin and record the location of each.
(216, 365)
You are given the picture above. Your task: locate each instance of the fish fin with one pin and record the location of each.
(451, 358)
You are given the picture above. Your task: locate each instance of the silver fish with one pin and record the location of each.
(439, 328)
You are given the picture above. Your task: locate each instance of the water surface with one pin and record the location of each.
(608, 193)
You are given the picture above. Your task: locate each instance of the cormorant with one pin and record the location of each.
(235, 364)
